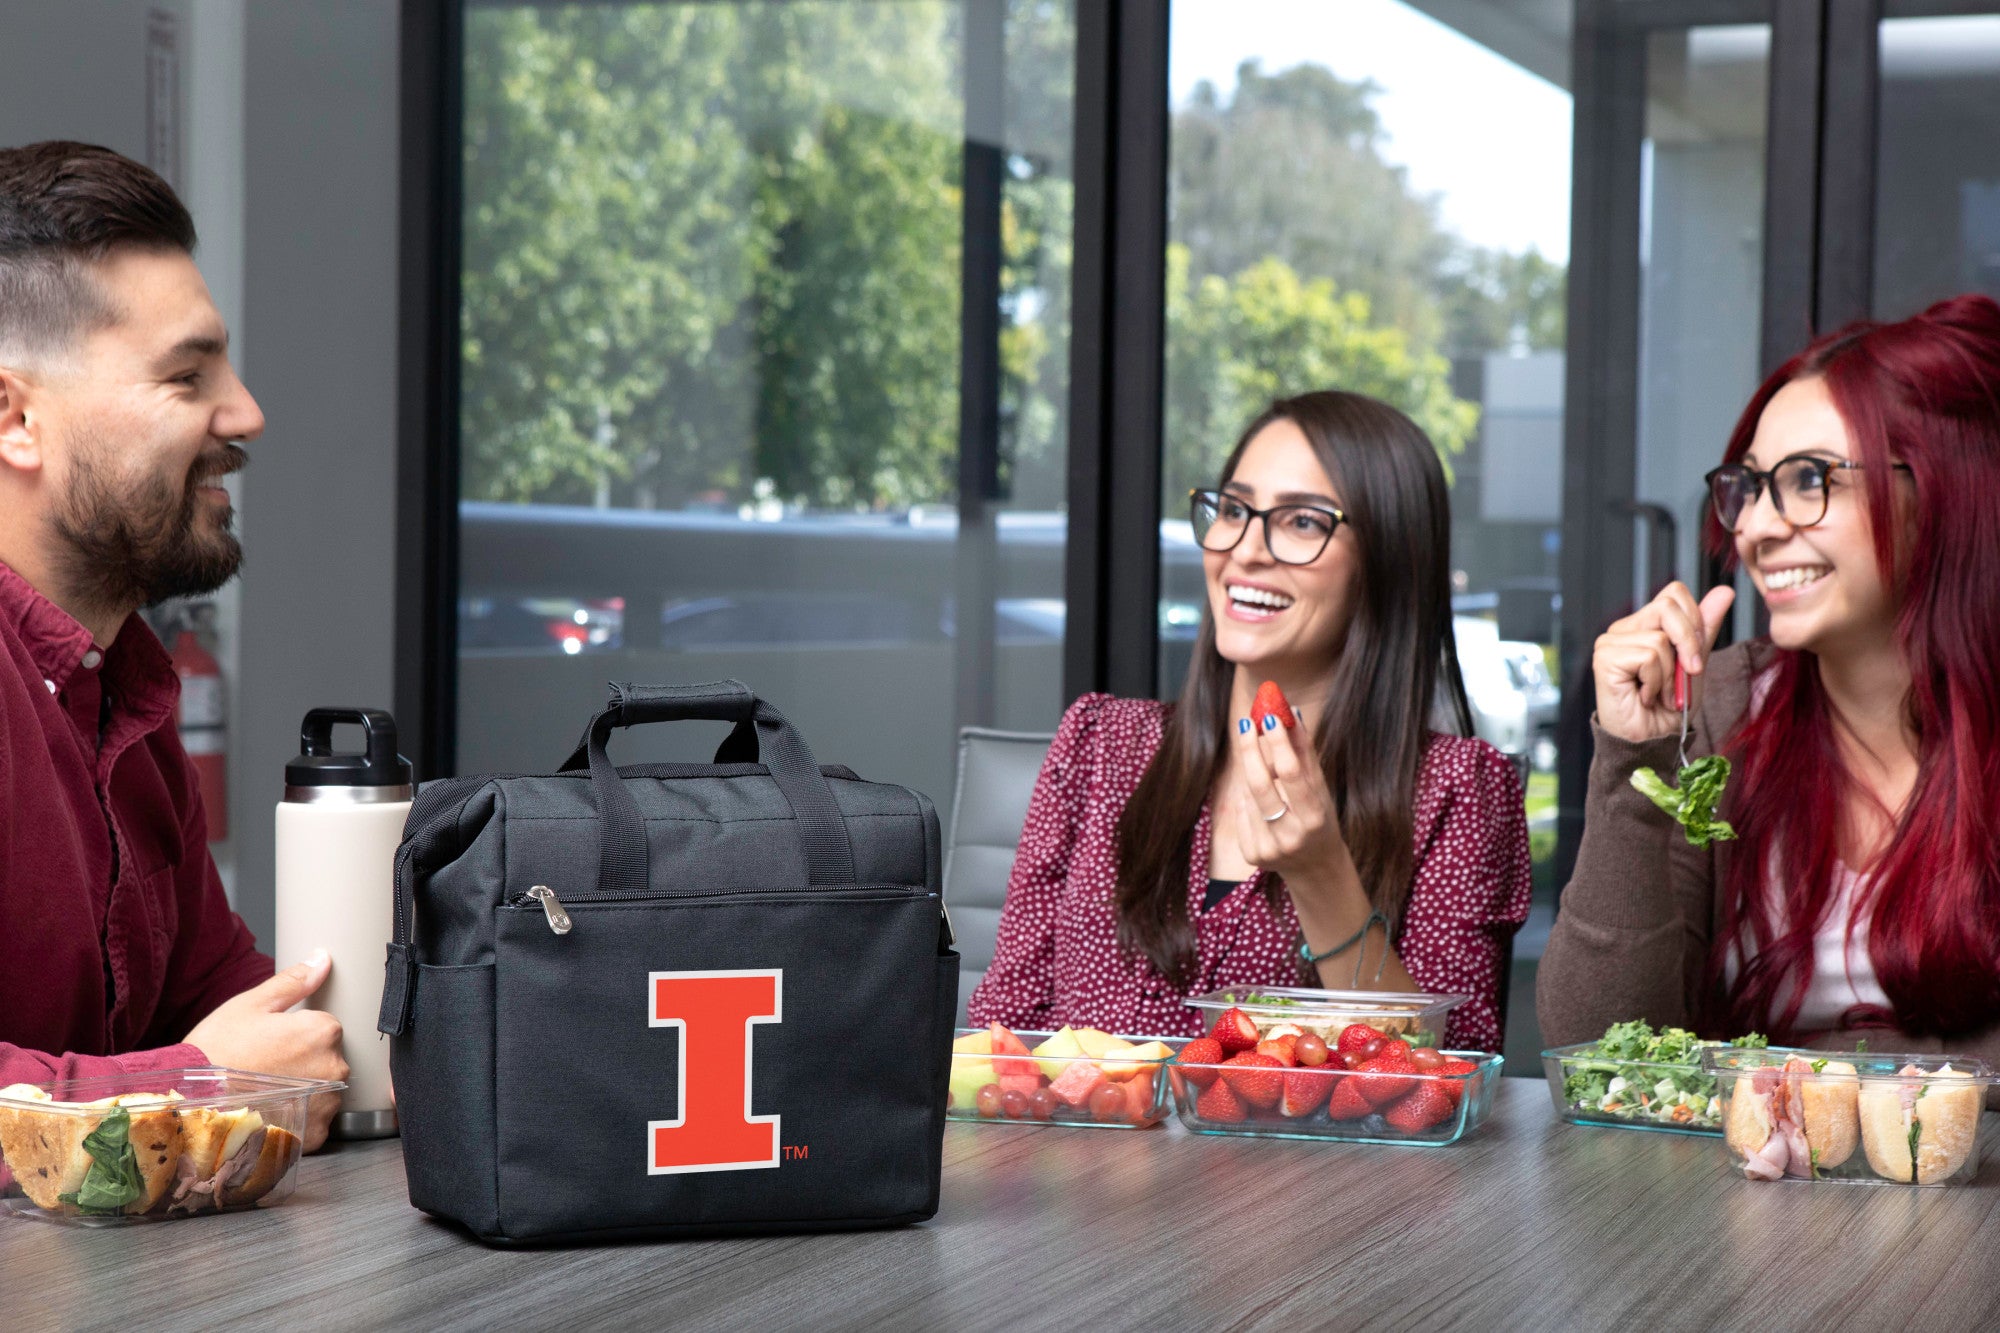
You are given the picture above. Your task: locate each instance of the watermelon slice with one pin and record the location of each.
(1139, 1098)
(1006, 1043)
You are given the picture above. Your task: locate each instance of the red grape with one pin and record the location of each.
(1425, 1058)
(1373, 1048)
(988, 1100)
(1042, 1104)
(1310, 1049)
(1014, 1102)
(1352, 1059)
(1108, 1102)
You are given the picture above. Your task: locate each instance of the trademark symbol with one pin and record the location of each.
(795, 1152)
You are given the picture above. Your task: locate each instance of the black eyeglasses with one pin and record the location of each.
(1800, 485)
(1293, 534)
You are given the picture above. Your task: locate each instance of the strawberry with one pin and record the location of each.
(1429, 1105)
(1306, 1090)
(1256, 1078)
(1354, 1036)
(1451, 1073)
(1398, 1051)
(1200, 1051)
(1235, 1031)
(1219, 1103)
(1283, 1030)
(1347, 1102)
(1385, 1086)
(1280, 1049)
(1271, 702)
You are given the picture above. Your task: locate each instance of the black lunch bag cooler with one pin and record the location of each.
(671, 999)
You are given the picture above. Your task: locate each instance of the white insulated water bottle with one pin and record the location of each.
(338, 829)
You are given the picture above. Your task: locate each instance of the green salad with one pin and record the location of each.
(1635, 1074)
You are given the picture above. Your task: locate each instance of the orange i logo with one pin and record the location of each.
(717, 1013)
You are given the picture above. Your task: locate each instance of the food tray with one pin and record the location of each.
(148, 1147)
(1416, 1017)
(1470, 1096)
(1852, 1118)
(1688, 1103)
(1119, 1090)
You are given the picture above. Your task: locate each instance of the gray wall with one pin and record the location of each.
(318, 526)
(289, 159)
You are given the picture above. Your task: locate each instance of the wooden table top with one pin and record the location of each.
(1528, 1223)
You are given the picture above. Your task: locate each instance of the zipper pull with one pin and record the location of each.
(559, 922)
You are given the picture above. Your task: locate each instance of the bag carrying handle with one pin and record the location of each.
(624, 862)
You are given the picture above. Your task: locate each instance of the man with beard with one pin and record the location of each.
(119, 416)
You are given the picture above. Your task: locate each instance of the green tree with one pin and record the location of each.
(599, 308)
(713, 244)
(1235, 344)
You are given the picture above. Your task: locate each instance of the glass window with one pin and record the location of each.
(1937, 170)
(712, 343)
(1364, 197)
(1701, 246)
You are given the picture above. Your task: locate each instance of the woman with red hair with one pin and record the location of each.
(1861, 895)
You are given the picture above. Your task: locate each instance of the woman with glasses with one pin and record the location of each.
(1176, 849)
(1861, 494)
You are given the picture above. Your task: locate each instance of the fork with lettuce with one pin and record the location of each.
(1692, 804)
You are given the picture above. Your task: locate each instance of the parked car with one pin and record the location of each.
(1514, 702)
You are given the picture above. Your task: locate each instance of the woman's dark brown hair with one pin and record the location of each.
(1372, 726)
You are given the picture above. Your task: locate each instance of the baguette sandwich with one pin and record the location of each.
(140, 1153)
(1921, 1127)
(1795, 1119)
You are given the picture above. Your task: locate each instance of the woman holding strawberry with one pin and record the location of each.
(1292, 817)
(1854, 883)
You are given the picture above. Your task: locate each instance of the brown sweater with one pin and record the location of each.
(1637, 919)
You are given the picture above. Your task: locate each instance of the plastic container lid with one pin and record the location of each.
(1394, 1012)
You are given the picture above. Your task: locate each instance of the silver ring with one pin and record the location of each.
(1283, 810)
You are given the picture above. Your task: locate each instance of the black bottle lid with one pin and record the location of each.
(317, 765)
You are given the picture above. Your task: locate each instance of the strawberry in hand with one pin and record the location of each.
(1271, 702)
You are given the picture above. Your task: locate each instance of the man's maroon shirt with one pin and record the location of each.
(115, 935)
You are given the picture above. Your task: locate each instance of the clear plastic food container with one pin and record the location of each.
(1854, 1118)
(1590, 1089)
(152, 1146)
(1075, 1076)
(1332, 1102)
(1417, 1018)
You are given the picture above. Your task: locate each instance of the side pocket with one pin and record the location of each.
(944, 1015)
(443, 1069)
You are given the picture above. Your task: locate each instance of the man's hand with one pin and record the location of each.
(255, 1032)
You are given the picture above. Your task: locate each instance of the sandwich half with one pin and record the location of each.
(96, 1160)
(232, 1158)
(1921, 1127)
(1795, 1119)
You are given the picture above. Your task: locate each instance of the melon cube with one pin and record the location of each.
(1077, 1082)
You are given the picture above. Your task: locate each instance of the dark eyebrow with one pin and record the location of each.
(1287, 497)
(196, 348)
(1751, 462)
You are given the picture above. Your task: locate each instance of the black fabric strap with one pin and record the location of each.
(624, 864)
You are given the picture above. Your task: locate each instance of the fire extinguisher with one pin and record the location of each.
(203, 735)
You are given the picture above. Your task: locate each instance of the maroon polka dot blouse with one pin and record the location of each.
(1057, 959)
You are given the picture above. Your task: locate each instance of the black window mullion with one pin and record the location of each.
(1118, 342)
(425, 684)
(1847, 156)
(1601, 381)
(1792, 181)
